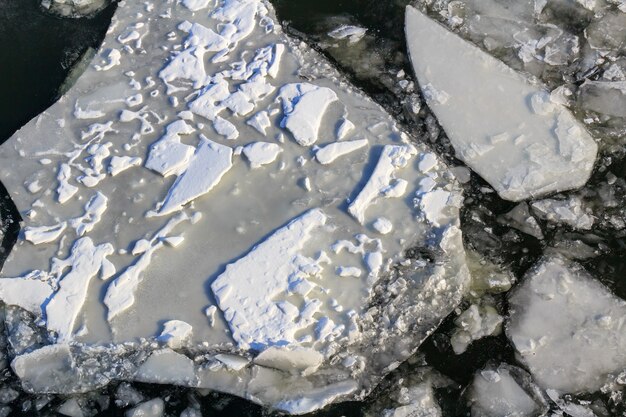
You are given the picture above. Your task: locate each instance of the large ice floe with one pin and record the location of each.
(505, 126)
(213, 205)
(567, 328)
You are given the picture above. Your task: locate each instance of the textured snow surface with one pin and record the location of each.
(567, 328)
(505, 127)
(213, 205)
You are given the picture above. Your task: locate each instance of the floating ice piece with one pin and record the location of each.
(561, 316)
(605, 97)
(473, 324)
(501, 124)
(301, 337)
(505, 391)
(152, 408)
(521, 219)
(352, 33)
(570, 212)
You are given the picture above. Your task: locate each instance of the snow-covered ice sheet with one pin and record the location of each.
(500, 123)
(212, 186)
(567, 327)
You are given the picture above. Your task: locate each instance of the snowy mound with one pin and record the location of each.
(213, 205)
(505, 127)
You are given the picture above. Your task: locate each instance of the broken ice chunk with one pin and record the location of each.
(570, 212)
(475, 323)
(261, 153)
(329, 153)
(484, 98)
(169, 155)
(352, 33)
(504, 391)
(207, 167)
(392, 158)
(175, 333)
(560, 316)
(304, 106)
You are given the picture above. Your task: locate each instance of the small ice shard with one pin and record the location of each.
(304, 106)
(560, 316)
(352, 33)
(225, 128)
(152, 408)
(381, 182)
(261, 153)
(327, 154)
(383, 225)
(505, 391)
(570, 212)
(44, 234)
(175, 333)
(345, 128)
(207, 167)
(169, 155)
(411, 395)
(521, 219)
(545, 149)
(70, 408)
(475, 323)
(255, 319)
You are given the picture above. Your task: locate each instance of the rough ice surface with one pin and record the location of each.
(220, 209)
(505, 391)
(567, 328)
(475, 323)
(412, 395)
(504, 126)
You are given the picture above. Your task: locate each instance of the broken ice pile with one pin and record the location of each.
(212, 205)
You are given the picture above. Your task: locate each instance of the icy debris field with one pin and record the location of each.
(213, 208)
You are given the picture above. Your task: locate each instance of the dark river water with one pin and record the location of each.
(37, 52)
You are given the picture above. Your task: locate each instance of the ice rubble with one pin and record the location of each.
(501, 124)
(210, 186)
(74, 8)
(567, 328)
